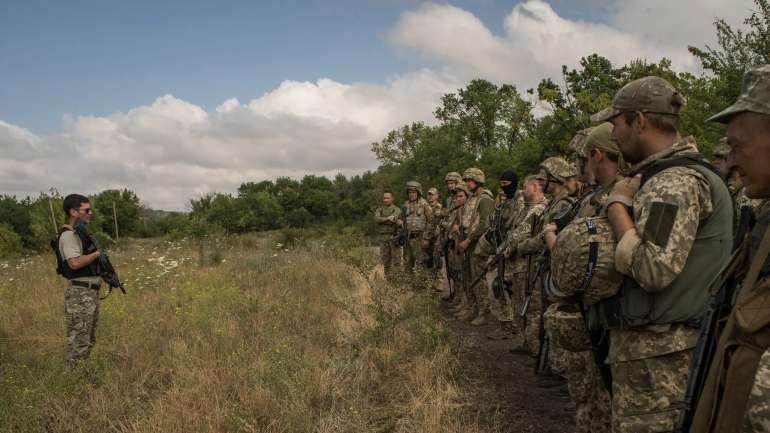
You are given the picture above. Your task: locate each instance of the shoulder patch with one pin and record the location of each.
(660, 223)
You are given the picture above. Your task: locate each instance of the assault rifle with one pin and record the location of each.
(449, 243)
(104, 266)
(718, 308)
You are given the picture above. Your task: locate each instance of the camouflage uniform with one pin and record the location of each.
(387, 218)
(474, 220)
(586, 388)
(736, 392)
(81, 304)
(455, 265)
(519, 271)
(650, 360)
(418, 222)
(434, 249)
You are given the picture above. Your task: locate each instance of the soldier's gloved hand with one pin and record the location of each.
(625, 190)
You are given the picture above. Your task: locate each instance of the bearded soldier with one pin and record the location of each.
(736, 395)
(733, 179)
(417, 217)
(471, 226)
(673, 221)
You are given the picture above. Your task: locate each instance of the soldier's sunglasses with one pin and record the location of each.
(86, 210)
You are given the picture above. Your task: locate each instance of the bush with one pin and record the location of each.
(10, 242)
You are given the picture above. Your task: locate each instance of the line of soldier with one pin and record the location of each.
(639, 273)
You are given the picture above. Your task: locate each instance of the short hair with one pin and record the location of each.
(73, 201)
(667, 123)
(387, 191)
(614, 157)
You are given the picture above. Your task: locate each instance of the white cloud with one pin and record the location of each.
(173, 150)
(537, 41)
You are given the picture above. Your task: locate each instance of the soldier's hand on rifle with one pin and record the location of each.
(424, 243)
(456, 228)
(549, 235)
(463, 245)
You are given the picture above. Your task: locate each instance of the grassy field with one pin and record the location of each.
(252, 336)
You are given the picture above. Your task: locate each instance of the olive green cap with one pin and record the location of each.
(645, 95)
(754, 97)
(600, 138)
(577, 144)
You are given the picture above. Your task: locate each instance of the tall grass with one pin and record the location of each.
(264, 338)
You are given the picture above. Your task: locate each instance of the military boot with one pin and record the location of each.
(467, 313)
(480, 319)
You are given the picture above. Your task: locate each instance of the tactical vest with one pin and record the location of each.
(470, 211)
(684, 300)
(416, 220)
(388, 229)
(63, 268)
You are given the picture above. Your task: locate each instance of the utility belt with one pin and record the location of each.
(634, 307)
(85, 284)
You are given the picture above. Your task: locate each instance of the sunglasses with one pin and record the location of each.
(86, 210)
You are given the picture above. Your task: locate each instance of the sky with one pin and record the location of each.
(176, 99)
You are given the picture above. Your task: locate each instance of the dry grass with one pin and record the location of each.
(270, 340)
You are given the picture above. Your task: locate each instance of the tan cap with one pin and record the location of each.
(433, 191)
(754, 97)
(577, 144)
(601, 138)
(645, 95)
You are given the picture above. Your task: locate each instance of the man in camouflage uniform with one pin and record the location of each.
(520, 266)
(388, 218)
(443, 244)
(471, 226)
(81, 295)
(736, 395)
(499, 225)
(556, 171)
(577, 146)
(674, 231)
(417, 217)
(462, 299)
(584, 381)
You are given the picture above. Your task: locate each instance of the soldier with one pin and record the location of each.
(388, 217)
(555, 171)
(473, 225)
(577, 145)
(455, 259)
(584, 381)
(443, 225)
(417, 217)
(674, 232)
(499, 225)
(733, 179)
(434, 249)
(736, 394)
(81, 295)
(520, 266)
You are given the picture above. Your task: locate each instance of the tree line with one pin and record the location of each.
(491, 126)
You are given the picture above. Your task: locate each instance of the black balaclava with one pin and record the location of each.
(510, 190)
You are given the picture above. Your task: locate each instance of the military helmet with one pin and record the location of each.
(558, 168)
(414, 185)
(585, 251)
(461, 186)
(474, 174)
(433, 191)
(453, 176)
(722, 149)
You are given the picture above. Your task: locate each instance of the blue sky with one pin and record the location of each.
(98, 57)
(174, 99)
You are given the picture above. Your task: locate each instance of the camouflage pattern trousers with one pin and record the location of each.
(646, 392)
(390, 255)
(588, 393)
(414, 261)
(81, 312)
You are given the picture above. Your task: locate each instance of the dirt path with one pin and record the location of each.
(505, 390)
